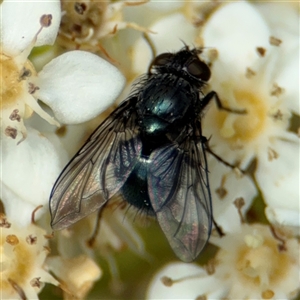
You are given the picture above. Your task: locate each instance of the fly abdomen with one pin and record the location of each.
(135, 188)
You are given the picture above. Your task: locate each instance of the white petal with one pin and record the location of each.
(287, 77)
(235, 186)
(16, 209)
(285, 217)
(288, 20)
(164, 6)
(279, 178)
(235, 30)
(78, 86)
(163, 40)
(20, 21)
(29, 171)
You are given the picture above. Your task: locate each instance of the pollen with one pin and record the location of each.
(17, 260)
(20, 260)
(260, 262)
(244, 128)
(11, 85)
(14, 81)
(12, 239)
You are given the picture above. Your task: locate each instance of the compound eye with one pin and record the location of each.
(199, 69)
(162, 59)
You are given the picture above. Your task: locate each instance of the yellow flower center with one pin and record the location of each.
(17, 261)
(11, 85)
(260, 262)
(243, 128)
(14, 82)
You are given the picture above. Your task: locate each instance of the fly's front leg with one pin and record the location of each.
(214, 95)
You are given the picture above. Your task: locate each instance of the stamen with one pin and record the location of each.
(168, 281)
(25, 73)
(103, 50)
(274, 41)
(33, 213)
(250, 73)
(282, 245)
(24, 135)
(31, 240)
(3, 222)
(272, 154)
(261, 51)
(276, 90)
(239, 203)
(45, 22)
(80, 8)
(15, 115)
(32, 88)
(35, 282)
(49, 236)
(12, 239)
(11, 132)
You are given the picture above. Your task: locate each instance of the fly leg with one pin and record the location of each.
(214, 95)
(205, 141)
(91, 241)
(205, 101)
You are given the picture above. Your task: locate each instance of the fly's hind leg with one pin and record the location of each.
(91, 241)
(205, 141)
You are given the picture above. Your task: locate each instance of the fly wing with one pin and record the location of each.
(179, 193)
(98, 170)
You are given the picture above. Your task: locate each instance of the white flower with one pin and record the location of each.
(251, 264)
(77, 86)
(23, 254)
(257, 70)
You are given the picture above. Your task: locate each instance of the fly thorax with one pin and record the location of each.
(164, 104)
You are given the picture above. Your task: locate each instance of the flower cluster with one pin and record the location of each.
(48, 109)
(252, 71)
(23, 254)
(32, 160)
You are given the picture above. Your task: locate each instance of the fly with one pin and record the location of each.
(151, 152)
